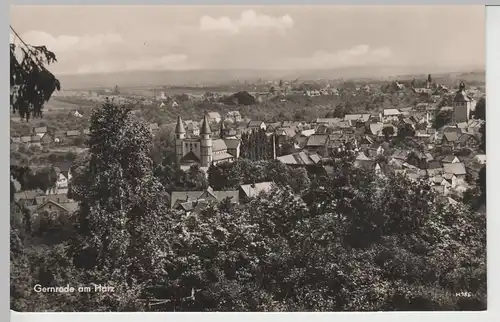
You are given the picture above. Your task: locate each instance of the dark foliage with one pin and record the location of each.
(31, 83)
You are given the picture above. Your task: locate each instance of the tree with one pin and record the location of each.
(405, 130)
(299, 180)
(443, 118)
(121, 215)
(480, 111)
(31, 83)
(340, 111)
(388, 131)
(195, 178)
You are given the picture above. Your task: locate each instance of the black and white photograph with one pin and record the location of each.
(231, 158)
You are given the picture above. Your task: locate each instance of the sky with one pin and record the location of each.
(106, 39)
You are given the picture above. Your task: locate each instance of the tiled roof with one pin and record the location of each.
(375, 128)
(362, 157)
(391, 112)
(317, 140)
(328, 120)
(213, 115)
(178, 196)
(28, 195)
(451, 136)
(59, 198)
(222, 156)
(300, 158)
(232, 143)
(357, 117)
(190, 157)
(218, 145)
(252, 190)
(255, 123)
(455, 168)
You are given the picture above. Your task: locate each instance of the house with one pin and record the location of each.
(480, 158)
(234, 116)
(353, 119)
(178, 199)
(335, 147)
(450, 138)
(40, 131)
(54, 209)
(432, 172)
(271, 127)
(441, 182)
(390, 115)
(300, 159)
(307, 132)
(254, 189)
(317, 143)
(35, 141)
(256, 125)
(25, 139)
(400, 154)
(457, 169)
(327, 120)
(214, 117)
(63, 171)
(467, 140)
(46, 139)
(376, 128)
(287, 124)
(376, 149)
(285, 133)
(27, 197)
(421, 107)
(233, 146)
(153, 127)
(364, 162)
(423, 91)
(192, 129)
(58, 198)
(450, 159)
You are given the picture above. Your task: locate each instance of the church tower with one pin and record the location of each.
(205, 143)
(180, 135)
(462, 105)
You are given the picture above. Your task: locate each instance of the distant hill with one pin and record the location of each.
(211, 77)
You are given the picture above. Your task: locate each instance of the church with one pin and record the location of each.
(463, 105)
(205, 149)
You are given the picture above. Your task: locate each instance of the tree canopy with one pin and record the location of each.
(31, 83)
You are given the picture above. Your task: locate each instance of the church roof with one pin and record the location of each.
(190, 157)
(179, 128)
(218, 145)
(205, 127)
